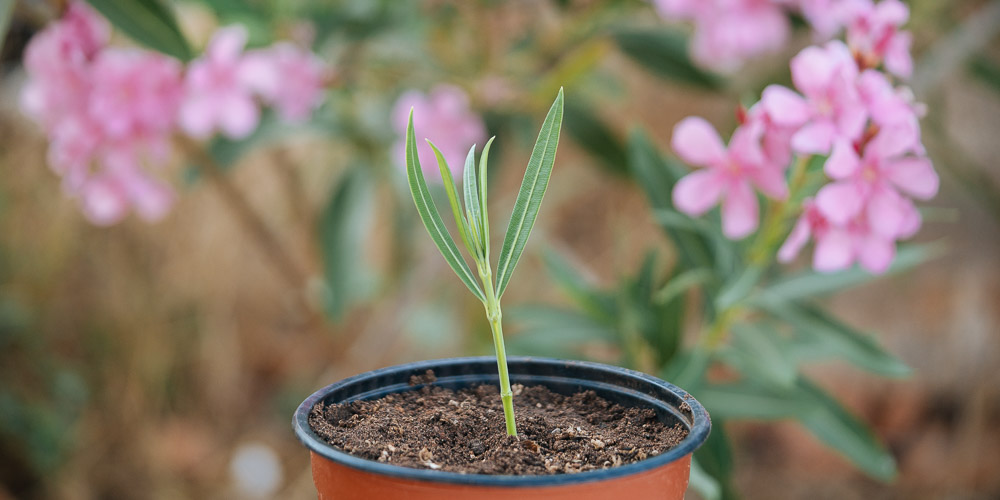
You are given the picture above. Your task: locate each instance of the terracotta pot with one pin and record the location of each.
(340, 476)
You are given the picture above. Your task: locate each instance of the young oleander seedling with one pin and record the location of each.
(474, 226)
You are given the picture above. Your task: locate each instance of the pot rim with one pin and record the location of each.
(701, 425)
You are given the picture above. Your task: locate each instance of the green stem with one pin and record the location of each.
(495, 316)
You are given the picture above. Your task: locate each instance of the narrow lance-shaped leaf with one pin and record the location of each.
(484, 224)
(148, 22)
(529, 198)
(456, 207)
(473, 210)
(430, 217)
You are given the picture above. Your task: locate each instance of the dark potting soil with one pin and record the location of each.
(463, 431)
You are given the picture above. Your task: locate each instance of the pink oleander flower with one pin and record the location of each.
(728, 32)
(891, 107)
(777, 138)
(838, 246)
(107, 196)
(831, 108)
(58, 64)
(103, 110)
(287, 77)
(219, 89)
(135, 95)
(728, 174)
(825, 16)
(870, 184)
(873, 33)
(444, 117)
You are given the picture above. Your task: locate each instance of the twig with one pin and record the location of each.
(266, 240)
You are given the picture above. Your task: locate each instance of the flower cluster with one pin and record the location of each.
(845, 108)
(110, 112)
(443, 116)
(728, 32)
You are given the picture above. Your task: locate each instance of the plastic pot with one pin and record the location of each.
(340, 476)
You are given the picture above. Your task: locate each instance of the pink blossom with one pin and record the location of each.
(219, 89)
(108, 196)
(873, 33)
(831, 108)
(776, 139)
(825, 16)
(57, 61)
(288, 78)
(728, 32)
(872, 183)
(891, 107)
(729, 174)
(444, 117)
(135, 94)
(840, 246)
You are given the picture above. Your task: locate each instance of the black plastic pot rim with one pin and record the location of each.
(698, 429)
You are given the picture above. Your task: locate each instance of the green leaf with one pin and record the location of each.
(555, 331)
(484, 223)
(986, 71)
(6, 12)
(665, 53)
(456, 208)
(597, 303)
(584, 126)
(430, 217)
(738, 289)
(832, 424)
(657, 176)
(148, 22)
(706, 486)
(716, 458)
(760, 355)
(747, 399)
(681, 283)
(529, 198)
(473, 209)
(833, 338)
(342, 226)
(813, 284)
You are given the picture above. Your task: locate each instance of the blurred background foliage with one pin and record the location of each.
(137, 361)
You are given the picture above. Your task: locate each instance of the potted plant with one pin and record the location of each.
(590, 430)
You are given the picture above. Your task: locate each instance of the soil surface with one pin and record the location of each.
(438, 428)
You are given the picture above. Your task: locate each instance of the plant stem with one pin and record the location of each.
(495, 316)
(252, 223)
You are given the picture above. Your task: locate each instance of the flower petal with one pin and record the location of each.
(739, 211)
(697, 142)
(771, 181)
(784, 106)
(834, 251)
(814, 138)
(915, 176)
(875, 254)
(843, 161)
(239, 117)
(795, 241)
(839, 202)
(887, 212)
(697, 192)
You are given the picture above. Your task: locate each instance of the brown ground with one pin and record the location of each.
(437, 428)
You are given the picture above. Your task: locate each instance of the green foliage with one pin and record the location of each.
(148, 22)
(763, 327)
(430, 217)
(6, 10)
(529, 197)
(665, 54)
(343, 225)
(597, 138)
